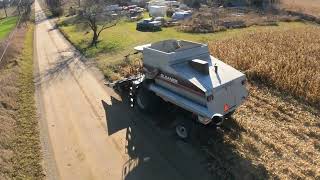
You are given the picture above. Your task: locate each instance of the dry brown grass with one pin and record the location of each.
(126, 68)
(286, 60)
(311, 7)
(9, 71)
(19, 137)
(8, 114)
(209, 20)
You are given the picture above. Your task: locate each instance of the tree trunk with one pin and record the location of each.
(19, 10)
(94, 38)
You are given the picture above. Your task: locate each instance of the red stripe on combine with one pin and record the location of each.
(184, 87)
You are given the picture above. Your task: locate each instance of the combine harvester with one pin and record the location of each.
(184, 74)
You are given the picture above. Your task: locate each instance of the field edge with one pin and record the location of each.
(27, 157)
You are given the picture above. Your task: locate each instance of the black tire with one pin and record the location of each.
(185, 129)
(146, 100)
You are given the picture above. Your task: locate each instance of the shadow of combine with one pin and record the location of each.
(142, 161)
(224, 162)
(207, 156)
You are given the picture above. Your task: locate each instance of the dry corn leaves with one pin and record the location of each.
(268, 137)
(273, 135)
(286, 60)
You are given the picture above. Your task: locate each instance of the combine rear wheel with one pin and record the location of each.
(182, 131)
(185, 129)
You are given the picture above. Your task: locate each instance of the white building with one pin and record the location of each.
(157, 11)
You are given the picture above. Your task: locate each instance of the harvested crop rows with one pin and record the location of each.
(273, 135)
(269, 137)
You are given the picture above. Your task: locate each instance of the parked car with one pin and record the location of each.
(161, 19)
(149, 25)
(177, 16)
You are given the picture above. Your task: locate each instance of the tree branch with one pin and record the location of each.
(106, 27)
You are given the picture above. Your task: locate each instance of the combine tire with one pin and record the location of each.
(182, 131)
(147, 101)
(185, 129)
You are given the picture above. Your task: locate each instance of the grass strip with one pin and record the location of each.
(6, 26)
(27, 143)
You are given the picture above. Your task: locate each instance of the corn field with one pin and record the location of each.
(288, 61)
(273, 135)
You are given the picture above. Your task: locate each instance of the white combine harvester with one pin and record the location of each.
(184, 74)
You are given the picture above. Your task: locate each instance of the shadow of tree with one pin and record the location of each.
(61, 66)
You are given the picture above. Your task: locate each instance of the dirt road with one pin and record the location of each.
(87, 133)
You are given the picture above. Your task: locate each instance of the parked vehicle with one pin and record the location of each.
(177, 16)
(161, 19)
(149, 25)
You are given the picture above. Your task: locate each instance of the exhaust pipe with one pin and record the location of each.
(217, 119)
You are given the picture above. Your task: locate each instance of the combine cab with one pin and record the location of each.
(184, 74)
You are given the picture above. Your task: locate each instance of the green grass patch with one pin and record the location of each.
(118, 41)
(6, 26)
(27, 141)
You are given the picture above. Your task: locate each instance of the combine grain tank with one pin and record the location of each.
(186, 75)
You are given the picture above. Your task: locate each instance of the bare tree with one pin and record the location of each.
(25, 8)
(55, 7)
(4, 6)
(95, 16)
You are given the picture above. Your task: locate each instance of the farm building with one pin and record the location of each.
(157, 11)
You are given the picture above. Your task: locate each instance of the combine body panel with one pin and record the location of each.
(185, 74)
